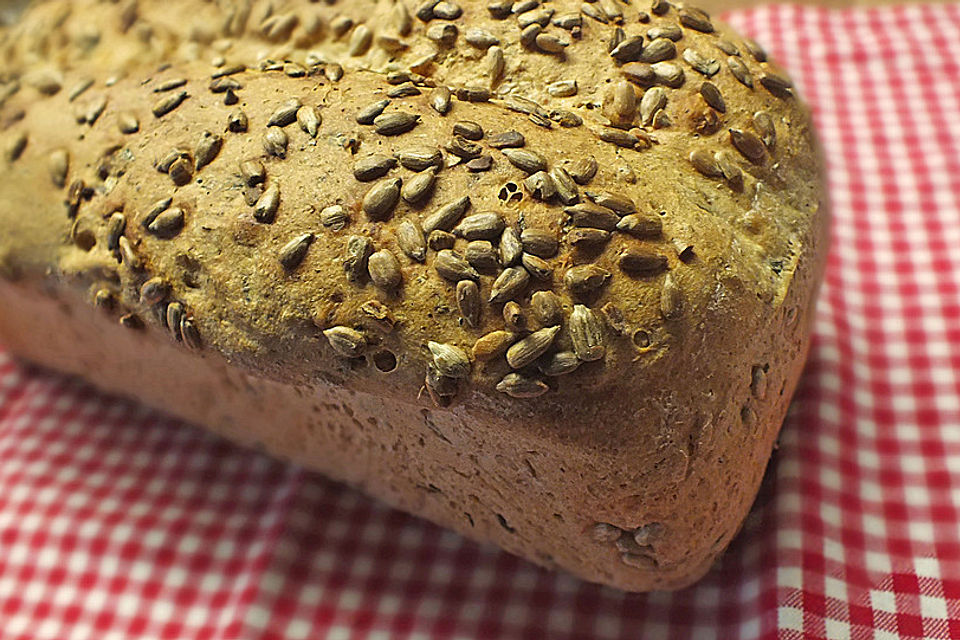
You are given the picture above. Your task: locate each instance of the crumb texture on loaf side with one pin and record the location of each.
(541, 220)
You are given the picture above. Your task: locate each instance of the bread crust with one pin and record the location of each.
(213, 244)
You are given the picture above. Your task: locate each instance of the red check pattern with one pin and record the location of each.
(117, 523)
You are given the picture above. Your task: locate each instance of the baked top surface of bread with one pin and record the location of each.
(304, 210)
(589, 226)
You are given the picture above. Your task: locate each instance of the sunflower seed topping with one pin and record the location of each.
(275, 142)
(749, 145)
(729, 168)
(373, 166)
(510, 247)
(585, 280)
(640, 226)
(285, 114)
(586, 334)
(776, 84)
(420, 158)
(411, 240)
(447, 216)
(167, 224)
(450, 361)
(370, 112)
(671, 299)
(740, 71)
(588, 214)
(642, 263)
(559, 364)
(527, 350)
(540, 185)
(711, 95)
(356, 255)
(507, 140)
(265, 210)
(439, 240)
(347, 342)
(384, 270)
(468, 302)
(511, 283)
(493, 345)
(207, 149)
(128, 122)
(658, 50)
(480, 226)
(537, 267)
(616, 202)
(453, 267)
(526, 160)
(381, 198)
(309, 120)
(696, 20)
(704, 162)
(168, 103)
(653, 100)
(516, 385)
(58, 163)
(763, 123)
(440, 100)
(293, 253)
(589, 239)
(482, 256)
(396, 123)
(701, 63)
(539, 242)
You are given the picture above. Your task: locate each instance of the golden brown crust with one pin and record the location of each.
(278, 216)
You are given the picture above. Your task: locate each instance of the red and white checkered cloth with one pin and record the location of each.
(118, 523)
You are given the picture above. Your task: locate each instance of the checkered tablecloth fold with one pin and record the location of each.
(119, 523)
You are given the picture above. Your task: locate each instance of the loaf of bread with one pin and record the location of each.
(540, 272)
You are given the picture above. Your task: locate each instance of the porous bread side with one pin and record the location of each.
(661, 466)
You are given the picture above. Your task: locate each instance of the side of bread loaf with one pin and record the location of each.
(572, 329)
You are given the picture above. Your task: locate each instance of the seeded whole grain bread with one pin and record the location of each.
(540, 272)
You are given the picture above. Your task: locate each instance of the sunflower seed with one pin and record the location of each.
(696, 20)
(89, 113)
(776, 84)
(447, 216)
(541, 186)
(439, 240)
(653, 100)
(510, 247)
(628, 50)
(360, 41)
(546, 308)
(449, 360)
(293, 253)
(511, 283)
(639, 226)
(405, 90)
(586, 334)
(480, 38)
(616, 202)
(347, 342)
(507, 140)
(173, 317)
(453, 267)
(463, 148)
(222, 85)
(658, 50)
(494, 62)
(370, 112)
(482, 256)
(537, 267)
(128, 256)
(447, 11)
(586, 279)
(755, 50)
(591, 11)
(477, 165)
(480, 226)
(700, 63)
(559, 364)
(763, 123)
(167, 104)
(419, 186)
(275, 142)
(333, 72)
(384, 270)
(189, 333)
(550, 43)
(309, 120)
(492, 345)
(237, 122)
(468, 130)
(619, 137)
(528, 35)
(514, 318)
(424, 10)
(167, 224)
(704, 162)
(671, 298)
(668, 73)
(639, 73)
(443, 34)
(740, 71)
(588, 214)
(583, 170)
(381, 198)
(285, 114)
(252, 172)
(539, 242)
(468, 302)
(58, 163)
(373, 166)
(527, 350)
(526, 160)
(749, 145)
(711, 95)
(411, 240)
(440, 100)
(420, 158)
(730, 170)
(516, 385)
(116, 224)
(642, 263)
(207, 149)
(356, 255)
(396, 123)
(265, 209)
(14, 149)
(589, 239)
(524, 106)
(620, 104)
(181, 170)
(128, 123)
